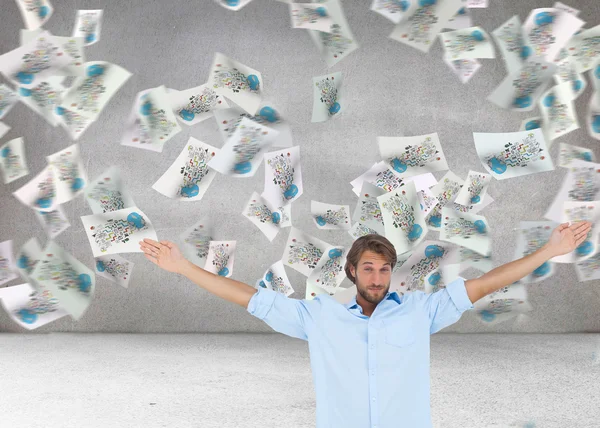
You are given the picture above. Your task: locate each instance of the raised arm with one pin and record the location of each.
(167, 256)
(563, 240)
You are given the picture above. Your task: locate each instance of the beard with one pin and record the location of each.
(372, 296)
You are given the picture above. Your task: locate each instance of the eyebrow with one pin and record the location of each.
(370, 263)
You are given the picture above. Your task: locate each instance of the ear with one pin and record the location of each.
(353, 271)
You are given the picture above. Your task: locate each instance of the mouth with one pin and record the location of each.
(375, 288)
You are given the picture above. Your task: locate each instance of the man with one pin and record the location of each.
(370, 357)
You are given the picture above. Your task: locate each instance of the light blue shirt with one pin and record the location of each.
(368, 372)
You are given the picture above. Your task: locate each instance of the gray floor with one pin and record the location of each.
(264, 380)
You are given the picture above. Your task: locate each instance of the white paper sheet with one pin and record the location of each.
(566, 8)
(89, 94)
(54, 222)
(584, 48)
(472, 4)
(44, 98)
(513, 154)
(337, 43)
(467, 43)
(114, 268)
(471, 208)
(328, 100)
(220, 257)
(566, 72)
(196, 240)
(268, 218)
(368, 211)
(27, 257)
(404, 222)
(463, 68)
(40, 192)
(73, 46)
(4, 128)
(558, 111)
(87, 25)
(35, 13)
(445, 191)
(8, 98)
(359, 229)
(310, 16)
(118, 231)
(507, 303)
(69, 174)
(302, 252)
(531, 236)
(66, 278)
(409, 156)
(108, 193)
(30, 308)
(461, 19)
(394, 10)
(509, 38)
(467, 230)
(329, 272)
(236, 81)
(7, 264)
(12, 160)
(567, 153)
(470, 258)
(474, 189)
(234, 5)
(195, 105)
(275, 278)
(420, 29)
(283, 176)
(588, 269)
(520, 90)
(330, 216)
(576, 211)
(74, 123)
(189, 177)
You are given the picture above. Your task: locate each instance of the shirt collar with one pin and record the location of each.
(389, 296)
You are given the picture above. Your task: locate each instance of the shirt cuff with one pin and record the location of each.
(261, 302)
(458, 294)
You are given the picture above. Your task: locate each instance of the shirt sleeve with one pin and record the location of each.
(446, 306)
(292, 317)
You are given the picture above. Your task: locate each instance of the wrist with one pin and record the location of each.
(548, 251)
(185, 267)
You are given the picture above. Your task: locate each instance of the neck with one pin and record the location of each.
(367, 307)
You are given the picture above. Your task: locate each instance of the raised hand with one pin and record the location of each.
(565, 238)
(164, 254)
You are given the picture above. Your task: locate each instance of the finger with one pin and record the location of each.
(563, 226)
(579, 241)
(152, 242)
(579, 227)
(150, 250)
(167, 244)
(152, 259)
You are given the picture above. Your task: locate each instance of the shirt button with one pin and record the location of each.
(372, 373)
(373, 398)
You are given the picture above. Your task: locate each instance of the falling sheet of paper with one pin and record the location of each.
(8, 98)
(558, 111)
(425, 269)
(87, 25)
(40, 192)
(74, 123)
(531, 123)
(593, 113)
(195, 105)
(118, 231)
(566, 8)
(108, 193)
(7, 263)
(566, 72)
(196, 240)
(509, 38)
(54, 222)
(338, 42)
(329, 271)
(394, 10)
(66, 278)
(427, 201)
(220, 257)
(582, 183)
(302, 252)
(12, 160)
(410, 156)
(533, 235)
(35, 13)
(547, 30)
(4, 128)
(467, 43)
(313, 291)
(310, 16)
(90, 93)
(584, 48)
(268, 218)
(241, 84)
(359, 229)
(380, 175)
(475, 188)
(30, 308)
(470, 258)
(73, 46)
(445, 191)
(328, 97)
(404, 222)
(242, 153)
(34, 62)
(467, 230)
(588, 269)
(463, 68)
(368, 211)
(471, 208)
(503, 305)
(69, 174)
(471, 4)
(422, 26)
(234, 5)
(27, 257)
(151, 122)
(189, 177)
(461, 19)
(567, 153)
(520, 90)
(513, 154)
(283, 176)
(576, 211)
(276, 279)
(114, 268)
(330, 216)
(44, 98)
(229, 119)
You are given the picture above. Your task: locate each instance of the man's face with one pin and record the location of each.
(373, 275)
